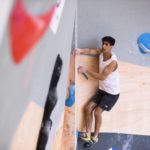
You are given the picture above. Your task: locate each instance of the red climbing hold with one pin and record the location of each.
(26, 30)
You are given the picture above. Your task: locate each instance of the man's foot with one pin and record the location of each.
(91, 143)
(85, 136)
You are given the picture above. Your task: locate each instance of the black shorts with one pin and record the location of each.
(105, 100)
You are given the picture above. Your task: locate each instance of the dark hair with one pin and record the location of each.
(109, 39)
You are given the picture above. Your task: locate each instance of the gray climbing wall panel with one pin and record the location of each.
(27, 81)
(124, 20)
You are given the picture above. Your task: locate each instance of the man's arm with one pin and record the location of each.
(94, 51)
(108, 69)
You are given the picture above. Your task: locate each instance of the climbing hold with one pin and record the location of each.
(26, 30)
(143, 42)
(70, 101)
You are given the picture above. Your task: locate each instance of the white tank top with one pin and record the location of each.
(112, 83)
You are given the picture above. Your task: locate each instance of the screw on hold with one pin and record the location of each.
(84, 74)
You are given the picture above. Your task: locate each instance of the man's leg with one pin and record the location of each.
(107, 102)
(89, 107)
(98, 120)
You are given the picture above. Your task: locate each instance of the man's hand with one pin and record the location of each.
(76, 52)
(81, 69)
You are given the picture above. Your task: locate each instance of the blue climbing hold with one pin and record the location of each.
(143, 42)
(112, 148)
(70, 101)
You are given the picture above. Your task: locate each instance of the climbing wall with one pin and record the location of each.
(127, 21)
(125, 127)
(84, 88)
(33, 38)
(64, 137)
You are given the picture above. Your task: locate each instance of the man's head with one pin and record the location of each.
(107, 43)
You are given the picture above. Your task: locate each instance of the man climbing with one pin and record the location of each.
(109, 88)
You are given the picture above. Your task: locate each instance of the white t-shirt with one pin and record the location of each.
(112, 83)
